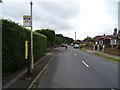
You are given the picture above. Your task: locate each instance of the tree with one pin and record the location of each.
(62, 39)
(76, 42)
(50, 34)
(115, 31)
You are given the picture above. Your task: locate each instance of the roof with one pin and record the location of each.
(106, 37)
(115, 36)
(97, 37)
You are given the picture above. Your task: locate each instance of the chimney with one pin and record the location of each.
(103, 34)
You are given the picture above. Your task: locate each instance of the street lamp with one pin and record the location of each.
(32, 58)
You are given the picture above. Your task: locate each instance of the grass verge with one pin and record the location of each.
(83, 49)
(107, 56)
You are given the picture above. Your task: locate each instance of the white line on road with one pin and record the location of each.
(48, 54)
(85, 64)
(74, 54)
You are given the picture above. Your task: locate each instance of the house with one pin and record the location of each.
(106, 40)
(114, 40)
(96, 38)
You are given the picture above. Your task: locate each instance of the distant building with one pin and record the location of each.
(96, 38)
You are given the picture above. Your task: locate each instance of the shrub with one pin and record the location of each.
(13, 46)
(50, 34)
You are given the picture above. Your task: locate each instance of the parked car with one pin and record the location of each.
(76, 46)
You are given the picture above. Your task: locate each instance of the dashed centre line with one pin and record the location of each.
(74, 54)
(85, 64)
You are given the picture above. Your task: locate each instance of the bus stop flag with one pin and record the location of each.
(26, 20)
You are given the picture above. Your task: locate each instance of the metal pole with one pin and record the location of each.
(75, 35)
(29, 60)
(32, 58)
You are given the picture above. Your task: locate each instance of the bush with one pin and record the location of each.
(13, 46)
(40, 44)
(118, 44)
(50, 34)
(83, 45)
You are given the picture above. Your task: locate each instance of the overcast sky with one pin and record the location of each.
(86, 17)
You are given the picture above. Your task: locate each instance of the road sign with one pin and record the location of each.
(26, 20)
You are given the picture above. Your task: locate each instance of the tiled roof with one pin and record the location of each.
(97, 37)
(107, 37)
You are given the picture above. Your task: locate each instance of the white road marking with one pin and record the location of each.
(48, 54)
(85, 64)
(74, 54)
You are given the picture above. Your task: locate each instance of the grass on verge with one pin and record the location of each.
(107, 56)
(83, 49)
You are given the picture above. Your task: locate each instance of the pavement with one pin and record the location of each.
(20, 80)
(72, 68)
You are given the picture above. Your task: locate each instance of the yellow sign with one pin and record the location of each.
(26, 16)
(26, 49)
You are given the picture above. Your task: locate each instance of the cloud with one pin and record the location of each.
(61, 10)
(55, 15)
(86, 17)
(15, 11)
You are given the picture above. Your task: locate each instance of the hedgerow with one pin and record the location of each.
(13, 46)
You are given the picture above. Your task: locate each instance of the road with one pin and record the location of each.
(73, 68)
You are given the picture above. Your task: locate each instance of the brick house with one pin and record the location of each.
(105, 39)
(96, 38)
(114, 40)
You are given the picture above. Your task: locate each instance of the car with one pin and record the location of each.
(62, 45)
(76, 46)
(71, 44)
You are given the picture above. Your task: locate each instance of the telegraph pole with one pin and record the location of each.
(32, 58)
(75, 35)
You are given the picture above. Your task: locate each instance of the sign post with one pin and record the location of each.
(27, 22)
(32, 58)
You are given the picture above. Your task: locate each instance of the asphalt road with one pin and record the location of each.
(73, 68)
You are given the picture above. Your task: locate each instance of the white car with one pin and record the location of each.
(76, 46)
(71, 44)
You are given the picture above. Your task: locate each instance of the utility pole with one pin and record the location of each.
(75, 35)
(32, 57)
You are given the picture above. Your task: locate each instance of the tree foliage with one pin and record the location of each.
(50, 34)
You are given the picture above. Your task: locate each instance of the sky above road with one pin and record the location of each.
(86, 17)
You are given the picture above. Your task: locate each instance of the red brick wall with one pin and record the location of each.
(107, 50)
(87, 47)
(112, 51)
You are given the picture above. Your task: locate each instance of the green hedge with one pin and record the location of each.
(50, 34)
(13, 46)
